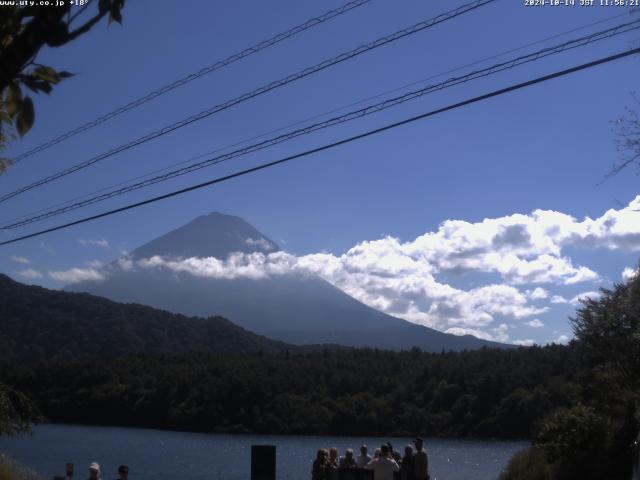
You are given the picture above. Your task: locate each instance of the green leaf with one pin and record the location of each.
(26, 117)
(47, 74)
(13, 99)
(36, 85)
(65, 74)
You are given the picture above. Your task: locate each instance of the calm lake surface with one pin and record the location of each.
(164, 455)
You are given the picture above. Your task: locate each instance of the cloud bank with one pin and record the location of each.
(519, 257)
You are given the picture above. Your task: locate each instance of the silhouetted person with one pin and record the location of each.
(333, 464)
(348, 461)
(421, 461)
(393, 454)
(320, 468)
(364, 458)
(123, 472)
(383, 466)
(407, 467)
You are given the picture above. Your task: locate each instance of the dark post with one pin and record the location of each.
(263, 462)
(69, 469)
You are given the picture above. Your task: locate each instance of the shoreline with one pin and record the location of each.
(306, 435)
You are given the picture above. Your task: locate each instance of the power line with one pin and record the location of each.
(378, 107)
(195, 75)
(344, 141)
(314, 117)
(264, 89)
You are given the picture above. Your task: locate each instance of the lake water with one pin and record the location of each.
(164, 455)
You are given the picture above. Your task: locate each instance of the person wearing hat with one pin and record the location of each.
(94, 471)
(420, 461)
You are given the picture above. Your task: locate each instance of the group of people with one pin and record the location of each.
(413, 465)
(94, 472)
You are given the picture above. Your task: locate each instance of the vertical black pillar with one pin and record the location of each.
(263, 462)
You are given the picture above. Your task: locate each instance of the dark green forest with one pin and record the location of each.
(41, 324)
(487, 393)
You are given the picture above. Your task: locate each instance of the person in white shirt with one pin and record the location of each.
(363, 459)
(383, 466)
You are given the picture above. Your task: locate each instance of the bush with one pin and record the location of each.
(11, 470)
(530, 464)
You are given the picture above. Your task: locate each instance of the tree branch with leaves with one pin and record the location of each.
(23, 32)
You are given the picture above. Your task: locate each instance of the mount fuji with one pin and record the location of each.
(294, 308)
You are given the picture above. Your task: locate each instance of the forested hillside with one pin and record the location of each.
(38, 323)
(486, 393)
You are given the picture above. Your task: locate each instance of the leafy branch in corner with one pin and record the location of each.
(23, 32)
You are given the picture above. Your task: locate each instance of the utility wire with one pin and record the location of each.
(378, 107)
(195, 75)
(264, 89)
(344, 141)
(314, 117)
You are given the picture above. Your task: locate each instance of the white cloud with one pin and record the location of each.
(125, 263)
(379, 275)
(470, 331)
(30, 273)
(562, 339)
(524, 343)
(254, 265)
(94, 263)
(535, 323)
(537, 293)
(259, 242)
(102, 243)
(76, 275)
(19, 259)
(497, 334)
(628, 273)
(556, 299)
(584, 296)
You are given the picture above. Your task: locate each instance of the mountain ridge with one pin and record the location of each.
(295, 308)
(39, 323)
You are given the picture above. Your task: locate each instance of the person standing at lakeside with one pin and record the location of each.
(421, 461)
(383, 466)
(407, 467)
(94, 471)
(348, 461)
(123, 472)
(364, 457)
(320, 468)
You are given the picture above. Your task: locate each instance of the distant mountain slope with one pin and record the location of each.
(295, 308)
(37, 323)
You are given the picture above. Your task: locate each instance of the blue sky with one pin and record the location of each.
(544, 148)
